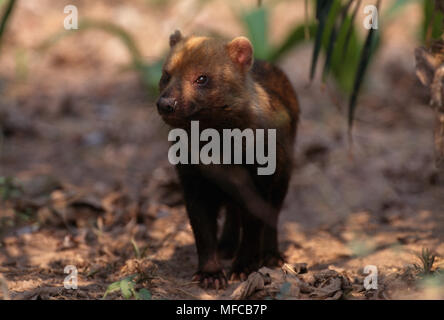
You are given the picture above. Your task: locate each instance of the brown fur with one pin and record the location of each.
(240, 94)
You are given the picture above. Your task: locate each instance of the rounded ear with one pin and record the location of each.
(240, 51)
(175, 38)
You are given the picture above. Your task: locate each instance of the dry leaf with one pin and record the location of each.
(256, 281)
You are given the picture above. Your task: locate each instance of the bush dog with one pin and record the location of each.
(218, 83)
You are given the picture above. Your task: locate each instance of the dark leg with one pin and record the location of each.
(255, 211)
(230, 238)
(248, 258)
(270, 250)
(203, 204)
(271, 257)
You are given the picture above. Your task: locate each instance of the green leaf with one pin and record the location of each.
(115, 286)
(135, 294)
(144, 294)
(126, 285)
(150, 74)
(350, 29)
(342, 48)
(345, 57)
(257, 26)
(306, 23)
(338, 26)
(294, 38)
(323, 11)
(433, 24)
(369, 48)
(9, 188)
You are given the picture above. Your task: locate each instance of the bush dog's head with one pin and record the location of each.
(204, 79)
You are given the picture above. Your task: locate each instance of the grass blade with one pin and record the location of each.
(337, 27)
(322, 11)
(5, 17)
(135, 248)
(105, 26)
(433, 24)
(306, 28)
(350, 30)
(296, 36)
(257, 26)
(149, 73)
(360, 73)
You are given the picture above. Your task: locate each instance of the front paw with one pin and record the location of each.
(208, 280)
(242, 268)
(273, 259)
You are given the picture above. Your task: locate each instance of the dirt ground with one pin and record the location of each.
(90, 184)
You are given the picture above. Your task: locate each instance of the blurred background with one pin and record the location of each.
(84, 174)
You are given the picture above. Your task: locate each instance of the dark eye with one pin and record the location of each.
(202, 80)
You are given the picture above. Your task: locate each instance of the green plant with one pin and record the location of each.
(149, 72)
(335, 34)
(139, 254)
(427, 259)
(364, 61)
(433, 21)
(347, 55)
(256, 22)
(6, 16)
(127, 286)
(9, 188)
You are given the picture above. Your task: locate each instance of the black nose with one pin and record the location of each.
(165, 105)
